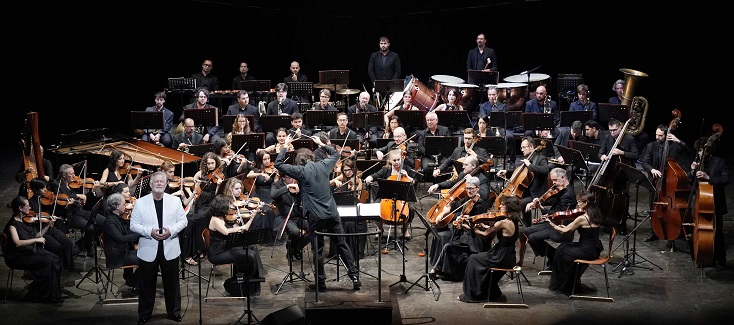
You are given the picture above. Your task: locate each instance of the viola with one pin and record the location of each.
(216, 176)
(33, 217)
(62, 199)
(489, 217)
(77, 182)
(562, 215)
(132, 169)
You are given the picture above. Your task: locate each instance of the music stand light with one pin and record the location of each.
(270, 123)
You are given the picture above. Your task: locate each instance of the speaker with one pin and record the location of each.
(291, 315)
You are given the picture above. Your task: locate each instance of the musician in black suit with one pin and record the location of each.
(188, 137)
(467, 149)
(538, 166)
(244, 107)
(282, 105)
(433, 129)
(626, 148)
(119, 241)
(471, 166)
(716, 172)
(244, 75)
(652, 159)
(481, 56)
(384, 64)
(412, 149)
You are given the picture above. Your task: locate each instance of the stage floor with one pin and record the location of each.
(663, 287)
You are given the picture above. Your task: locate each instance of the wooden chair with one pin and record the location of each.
(110, 283)
(205, 236)
(602, 260)
(514, 273)
(11, 271)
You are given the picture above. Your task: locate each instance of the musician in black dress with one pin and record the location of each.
(24, 251)
(57, 241)
(652, 160)
(207, 184)
(588, 247)
(502, 255)
(246, 260)
(716, 172)
(119, 240)
(451, 248)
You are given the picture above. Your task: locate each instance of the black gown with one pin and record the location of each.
(588, 248)
(246, 261)
(452, 261)
(476, 278)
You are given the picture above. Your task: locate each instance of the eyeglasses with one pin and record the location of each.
(207, 65)
(471, 188)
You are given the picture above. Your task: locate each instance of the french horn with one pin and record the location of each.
(637, 105)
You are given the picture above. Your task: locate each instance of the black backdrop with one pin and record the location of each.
(88, 66)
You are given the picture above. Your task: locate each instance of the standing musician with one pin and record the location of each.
(73, 210)
(188, 137)
(319, 206)
(564, 199)
(245, 260)
(208, 179)
(588, 247)
(158, 218)
(538, 166)
(468, 149)
(57, 241)
(396, 163)
(716, 173)
(502, 255)
(116, 166)
(627, 148)
(652, 159)
(119, 240)
(450, 250)
(286, 195)
(202, 101)
(25, 251)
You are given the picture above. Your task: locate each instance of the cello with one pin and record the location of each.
(395, 211)
(672, 188)
(456, 192)
(520, 179)
(702, 210)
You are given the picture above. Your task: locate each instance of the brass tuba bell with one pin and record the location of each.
(637, 106)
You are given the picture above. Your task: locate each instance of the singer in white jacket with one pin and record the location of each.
(158, 217)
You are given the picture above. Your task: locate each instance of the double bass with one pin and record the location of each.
(520, 179)
(672, 188)
(701, 210)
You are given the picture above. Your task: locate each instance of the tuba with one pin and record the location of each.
(637, 105)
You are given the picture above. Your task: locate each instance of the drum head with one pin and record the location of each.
(527, 77)
(511, 85)
(442, 78)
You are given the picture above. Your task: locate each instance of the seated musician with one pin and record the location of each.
(280, 134)
(188, 137)
(57, 241)
(282, 105)
(532, 162)
(264, 175)
(470, 169)
(468, 149)
(231, 165)
(243, 107)
(208, 180)
(348, 181)
(297, 130)
(502, 254)
(116, 167)
(362, 106)
(406, 104)
(543, 104)
(286, 195)
(563, 198)
(455, 242)
(245, 260)
(484, 130)
(588, 247)
(323, 104)
(452, 103)
(177, 188)
(389, 130)
(432, 130)
(342, 132)
(160, 136)
(25, 172)
(396, 170)
(119, 241)
(575, 133)
(25, 251)
(234, 189)
(76, 216)
(412, 149)
(594, 132)
(201, 95)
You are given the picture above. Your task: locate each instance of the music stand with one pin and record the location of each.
(440, 147)
(589, 151)
(567, 83)
(388, 87)
(380, 142)
(304, 143)
(363, 121)
(270, 123)
(252, 142)
(567, 117)
(413, 119)
(575, 159)
(204, 117)
(609, 111)
(430, 283)
(493, 144)
(147, 120)
(396, 191)
(548, 149)
(228, 121)
(482, 78)
(316, 119)
(640, 179)
(538, 121)
(201, 149)
(255, 85)
(334, 77)
(300, 89)
(454, 120)
(246, 239)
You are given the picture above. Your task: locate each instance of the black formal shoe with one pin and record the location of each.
(650, 238)
(175, 318)
(134, 291)
(142, 321)
(322, 287)
(355, 282)
(669, 244)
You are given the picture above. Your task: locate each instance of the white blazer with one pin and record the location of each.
(144, 219)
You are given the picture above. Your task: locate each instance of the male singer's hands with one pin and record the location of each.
(160, 236)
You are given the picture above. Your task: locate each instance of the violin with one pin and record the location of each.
(32, 217)
(215, 177)
(132, 169)
(176, 182)
(77, 182)
(62, 199)
(489, 217)
(553, 190)
(562, 215)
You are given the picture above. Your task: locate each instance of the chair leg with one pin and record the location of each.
(8, 284)
(209, 281)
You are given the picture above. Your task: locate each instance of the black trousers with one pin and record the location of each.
(331, 225)
(149, 280)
